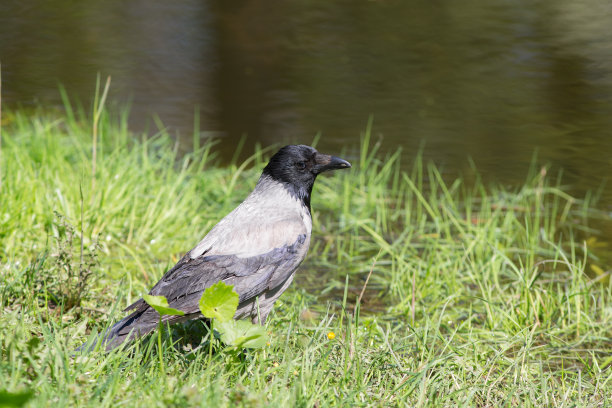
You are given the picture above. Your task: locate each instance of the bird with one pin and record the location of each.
(257, 248)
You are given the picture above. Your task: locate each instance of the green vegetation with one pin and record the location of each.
(476, 295)
(219, 304)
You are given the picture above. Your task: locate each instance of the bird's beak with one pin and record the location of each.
(326, 162)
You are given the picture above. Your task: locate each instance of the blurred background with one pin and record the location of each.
(494, 81)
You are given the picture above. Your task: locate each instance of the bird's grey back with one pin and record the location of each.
(270, 217)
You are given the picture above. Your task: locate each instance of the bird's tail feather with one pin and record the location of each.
(137, 324)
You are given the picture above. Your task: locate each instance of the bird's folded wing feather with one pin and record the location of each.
(251, 275)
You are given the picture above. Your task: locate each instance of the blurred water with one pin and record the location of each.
(491, 80)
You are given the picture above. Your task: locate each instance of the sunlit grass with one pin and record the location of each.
(478, 295)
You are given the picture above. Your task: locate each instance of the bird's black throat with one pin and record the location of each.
(300, 193)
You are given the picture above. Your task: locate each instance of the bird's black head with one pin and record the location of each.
(297, 166)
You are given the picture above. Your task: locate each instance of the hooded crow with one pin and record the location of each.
(256, 248)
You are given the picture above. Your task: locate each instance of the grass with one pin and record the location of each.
(478, 295)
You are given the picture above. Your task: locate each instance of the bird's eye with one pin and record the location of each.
(300, 165)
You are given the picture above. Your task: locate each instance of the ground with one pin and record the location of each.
(479, 295)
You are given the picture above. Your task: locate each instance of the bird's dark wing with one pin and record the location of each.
(266, 274)
(184, 284)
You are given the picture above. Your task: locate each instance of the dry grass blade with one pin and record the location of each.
(365, 284)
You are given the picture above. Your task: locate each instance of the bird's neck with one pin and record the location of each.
(301, 194)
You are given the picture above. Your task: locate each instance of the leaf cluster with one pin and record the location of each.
(219, 304)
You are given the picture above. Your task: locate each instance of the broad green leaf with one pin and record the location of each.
(160, 303)
(219, 302)
(14, 399)
(242, 334)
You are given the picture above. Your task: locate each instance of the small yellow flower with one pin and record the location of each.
(331, 335)
(295, 372)
(275, 364)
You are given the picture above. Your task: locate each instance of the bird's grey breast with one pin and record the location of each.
(269, 218)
